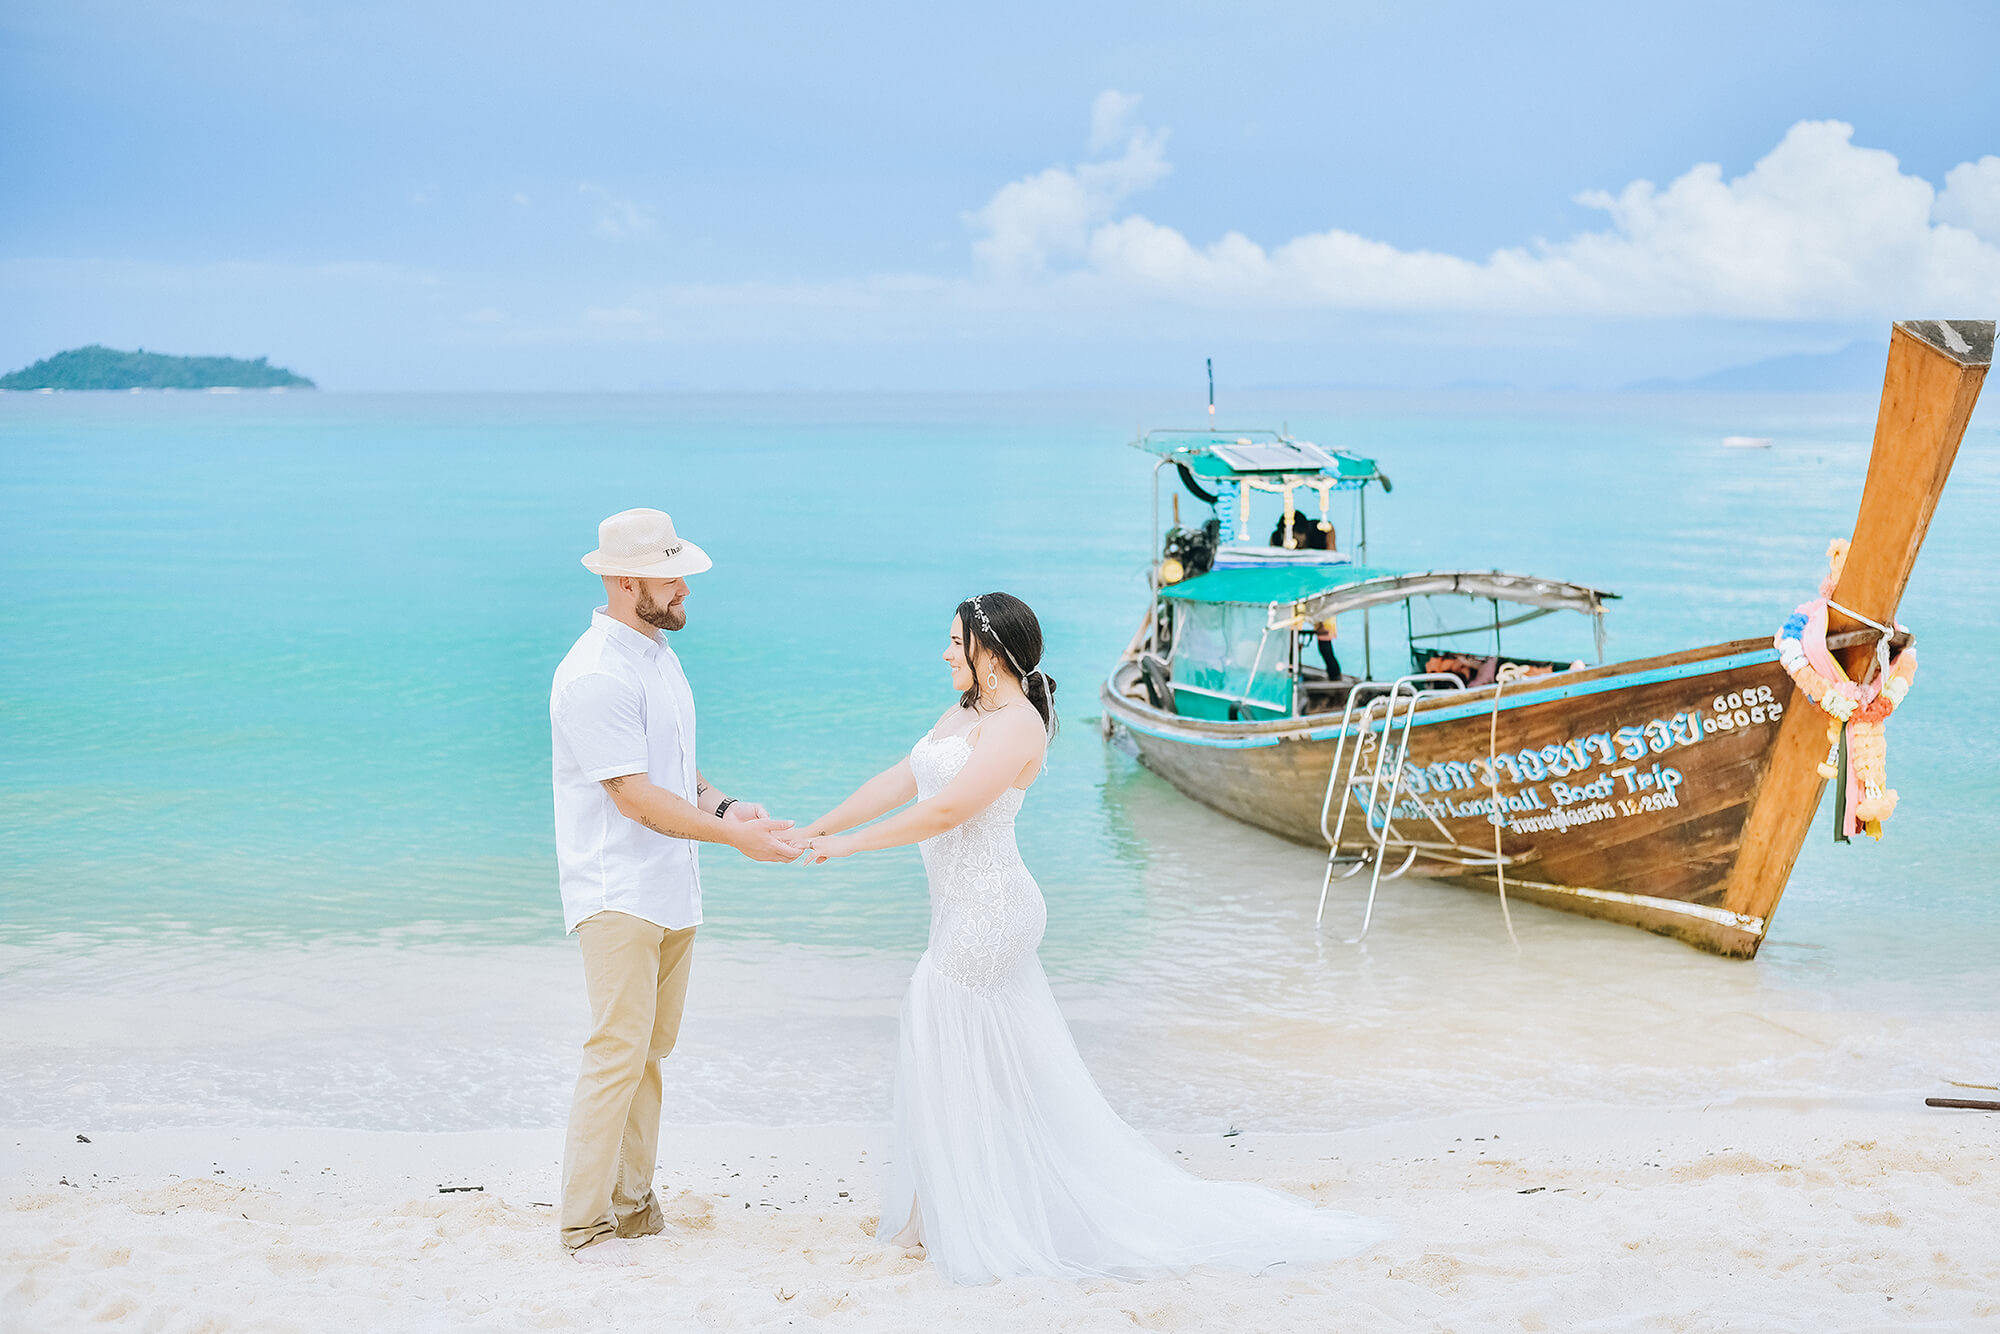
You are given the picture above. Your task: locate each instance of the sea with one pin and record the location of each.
(275, 842)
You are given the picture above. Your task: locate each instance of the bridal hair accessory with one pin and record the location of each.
(987, 626)
(993, 679)
(642, 544)
(993, 637)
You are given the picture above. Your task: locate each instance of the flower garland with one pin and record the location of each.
(1857, 710)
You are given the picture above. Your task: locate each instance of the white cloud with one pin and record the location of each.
(618, 219)
(1971, 198)
(1818, 229)
(617, 317)
(1049, 216)
(1111, 119)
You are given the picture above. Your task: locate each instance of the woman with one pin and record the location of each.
(1006, 1159)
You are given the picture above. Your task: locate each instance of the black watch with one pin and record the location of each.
(727, 802)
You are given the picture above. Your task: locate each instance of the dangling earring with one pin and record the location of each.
(992, 679)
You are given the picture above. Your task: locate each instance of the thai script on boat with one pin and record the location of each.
(1751, 707)
(1606, 775)
(1560, 820)
(1628, 790)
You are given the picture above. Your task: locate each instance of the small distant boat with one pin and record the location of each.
(1746, 442)
(1672, 793)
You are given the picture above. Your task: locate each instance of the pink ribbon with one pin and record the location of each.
(1813, 640)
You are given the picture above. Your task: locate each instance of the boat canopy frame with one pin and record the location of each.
(1356, 588)
(1544, 595)
(1303, 605)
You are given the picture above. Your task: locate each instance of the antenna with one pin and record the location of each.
(1211, 391)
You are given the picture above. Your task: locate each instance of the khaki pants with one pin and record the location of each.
(636, 974)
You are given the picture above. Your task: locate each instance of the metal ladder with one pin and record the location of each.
(1398, 704)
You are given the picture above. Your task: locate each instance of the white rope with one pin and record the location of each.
(1493, 786)
(1881, 645)
(1873, 625)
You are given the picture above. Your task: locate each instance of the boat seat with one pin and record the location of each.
(1153, 674)
(1324, 696)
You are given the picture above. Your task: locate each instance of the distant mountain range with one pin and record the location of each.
(97, 367)
(1858, 367)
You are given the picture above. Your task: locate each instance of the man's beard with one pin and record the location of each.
(666, 618)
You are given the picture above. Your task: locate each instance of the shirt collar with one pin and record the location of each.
(646, 646)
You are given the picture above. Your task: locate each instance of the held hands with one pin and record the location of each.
(756, 835)
(825, 847)
(764, 839)
(812, 845)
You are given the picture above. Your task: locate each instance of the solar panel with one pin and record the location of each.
(1246, 455)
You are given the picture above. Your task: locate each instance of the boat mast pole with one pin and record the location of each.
(1935, 371)
(1361, 554)
(1153, 564)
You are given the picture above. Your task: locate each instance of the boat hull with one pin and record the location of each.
(1673, 793)
(1621, 792)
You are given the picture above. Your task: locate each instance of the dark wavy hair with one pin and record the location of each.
(1012, 636)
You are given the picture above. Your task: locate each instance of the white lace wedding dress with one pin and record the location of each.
(1006, 1159)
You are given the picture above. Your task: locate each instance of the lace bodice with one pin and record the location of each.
(987, 912)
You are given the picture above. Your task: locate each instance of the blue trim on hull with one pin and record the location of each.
(1477, 708)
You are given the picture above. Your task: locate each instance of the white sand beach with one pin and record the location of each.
(1768, 1214)
(1605, 1131)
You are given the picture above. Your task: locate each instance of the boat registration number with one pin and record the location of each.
(1743, 708)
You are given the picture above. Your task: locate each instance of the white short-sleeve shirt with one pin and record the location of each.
(621, 705)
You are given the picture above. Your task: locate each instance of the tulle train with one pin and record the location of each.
(1007, 1161)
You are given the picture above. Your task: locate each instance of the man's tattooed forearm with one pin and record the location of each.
(651, 822)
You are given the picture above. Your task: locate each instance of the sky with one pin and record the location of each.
(611, 196)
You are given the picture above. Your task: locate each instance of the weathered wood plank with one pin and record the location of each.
(1929, 388)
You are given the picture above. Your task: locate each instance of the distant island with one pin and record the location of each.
(1856, 368)
(97, 367)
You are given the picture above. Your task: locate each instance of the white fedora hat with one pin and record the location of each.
(642, 544)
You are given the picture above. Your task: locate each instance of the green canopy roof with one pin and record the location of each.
(1265, 584)
(1267, 454)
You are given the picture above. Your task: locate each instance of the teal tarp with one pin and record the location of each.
(1216, 455)
(1216, 648)
(1348, 467)
(1263, 585)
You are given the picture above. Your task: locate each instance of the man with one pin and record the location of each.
(630, 806)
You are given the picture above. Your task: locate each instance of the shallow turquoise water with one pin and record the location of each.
(276, 667)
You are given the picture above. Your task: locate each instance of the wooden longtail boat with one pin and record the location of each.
(1672, 793)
